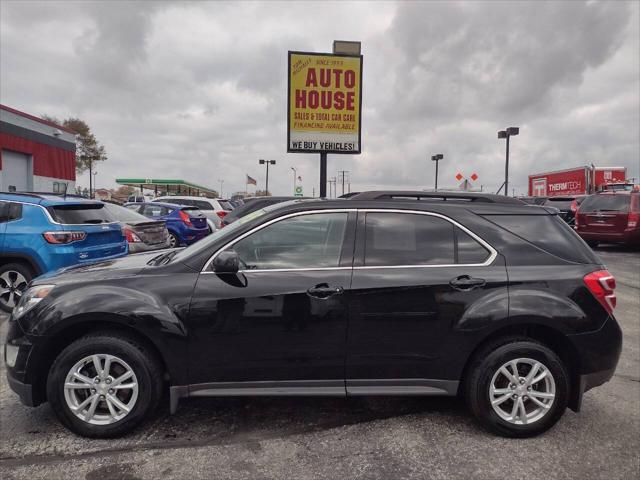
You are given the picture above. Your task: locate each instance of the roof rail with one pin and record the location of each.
(409, 195)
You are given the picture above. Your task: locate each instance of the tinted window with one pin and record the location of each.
(549, 233)
(4, 211)
(225, 205)
(202, 205)
(560, 203)
(407, 239)
(614, 203)
(151, 210)
(78, 214)
(305, 241)
(469, 249)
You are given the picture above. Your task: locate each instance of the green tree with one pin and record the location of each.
(88, 150)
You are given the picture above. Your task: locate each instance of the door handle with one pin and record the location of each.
(465, 283)
(324, 291)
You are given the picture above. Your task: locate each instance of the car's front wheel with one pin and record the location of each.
(14, 278)
(517, 388)
(104, 384)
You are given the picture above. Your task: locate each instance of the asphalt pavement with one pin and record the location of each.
(377, 438)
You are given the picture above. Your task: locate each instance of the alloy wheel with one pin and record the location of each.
(522, 391)
(101, 389)
(12, 285)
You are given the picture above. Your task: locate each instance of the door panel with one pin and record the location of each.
(264, 326)
(410, 323)
(283, 317)
(422, 286)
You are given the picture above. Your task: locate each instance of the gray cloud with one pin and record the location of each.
(197, 90)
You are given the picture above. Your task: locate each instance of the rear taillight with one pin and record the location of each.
(574, 206)
(131, 236)
(185, 218)
(222, 213)
(632, 219)
(602, 285)
(63, 237)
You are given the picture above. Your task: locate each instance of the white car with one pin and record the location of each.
(215, 209)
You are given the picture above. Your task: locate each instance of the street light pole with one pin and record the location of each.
(506, 134)
(267, 162)
(221, 182)
(437, 158)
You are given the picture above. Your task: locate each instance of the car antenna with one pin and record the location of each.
(64, 194)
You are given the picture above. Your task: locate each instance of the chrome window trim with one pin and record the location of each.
(490, 259)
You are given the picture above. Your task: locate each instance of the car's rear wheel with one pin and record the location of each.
(173, 241)
(103, 385)
(517, 388)
(14, 278)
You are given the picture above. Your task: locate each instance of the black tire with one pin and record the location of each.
(10, 297)
(173, 241)
(480, 373)
(592, 244)
(142, 362)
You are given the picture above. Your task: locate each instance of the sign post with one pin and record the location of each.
(324, 106)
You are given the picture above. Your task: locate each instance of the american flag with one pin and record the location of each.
(251, 181)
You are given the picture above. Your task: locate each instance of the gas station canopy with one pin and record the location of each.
(167, 186)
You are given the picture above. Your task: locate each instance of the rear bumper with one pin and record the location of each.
(598, 354)
(629, 237)
(140, 247)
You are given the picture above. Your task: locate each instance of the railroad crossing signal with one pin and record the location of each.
(473, 176)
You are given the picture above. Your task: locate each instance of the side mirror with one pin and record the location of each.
(226, 261)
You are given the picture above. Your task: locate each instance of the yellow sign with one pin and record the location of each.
(325, 96)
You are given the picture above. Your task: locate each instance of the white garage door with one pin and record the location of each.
(16, 172)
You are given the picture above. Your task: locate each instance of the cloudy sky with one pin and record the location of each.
(197, 90)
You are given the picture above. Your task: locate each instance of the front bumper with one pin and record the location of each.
(24, 390)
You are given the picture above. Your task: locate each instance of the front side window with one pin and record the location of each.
(304, 241)
(393, 239)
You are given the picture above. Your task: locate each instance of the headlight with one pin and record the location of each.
(31, 298)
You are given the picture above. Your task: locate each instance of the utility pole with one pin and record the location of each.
(295, 172)
(90, 178)
(266, 162)
(221, 182)
(341, 175)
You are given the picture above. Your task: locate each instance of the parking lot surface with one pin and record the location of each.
(384, 438)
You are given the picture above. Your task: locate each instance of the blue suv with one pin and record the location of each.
(44, 232)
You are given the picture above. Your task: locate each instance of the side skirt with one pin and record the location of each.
(320, 388)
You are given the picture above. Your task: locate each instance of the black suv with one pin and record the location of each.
(501, 303)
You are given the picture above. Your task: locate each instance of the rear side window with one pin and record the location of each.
(469, 250)
(151, 210)
(408, 239)
(606, 203)
(202, 205)
(549, 233)
(79, 214)
(10, 211)
(225, 205)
